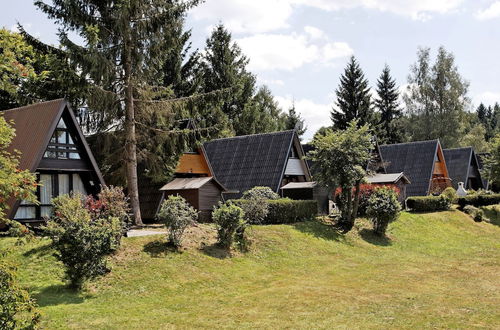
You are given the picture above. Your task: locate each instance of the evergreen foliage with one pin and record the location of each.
(353, 98)
(295, 121)
(126, 46)
(389, 128)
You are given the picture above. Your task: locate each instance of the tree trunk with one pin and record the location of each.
(130, 138)
(346, 217)
(356, 202)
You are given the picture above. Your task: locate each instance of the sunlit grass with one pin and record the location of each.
(437, 270)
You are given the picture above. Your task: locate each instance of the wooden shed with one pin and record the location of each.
(203, 193)
(397, 180)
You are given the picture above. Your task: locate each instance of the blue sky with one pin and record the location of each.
(299, 47)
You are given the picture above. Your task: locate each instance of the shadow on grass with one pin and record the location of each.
(56, 295)
(492, 216)
(320, 230)
(215, 251)
(159, 248)
(40, 250)
(369, 236)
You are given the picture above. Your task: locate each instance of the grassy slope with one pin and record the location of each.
(438, 270)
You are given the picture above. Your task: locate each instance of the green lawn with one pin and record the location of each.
(438, 270)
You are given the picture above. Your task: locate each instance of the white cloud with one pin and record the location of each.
(493, 11)
(241, 16)
(315, 114)
(315, 33)
(488, 98)
(290, 51)
(271, 82)
(259, 16)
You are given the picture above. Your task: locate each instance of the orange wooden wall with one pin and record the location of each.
(193, 163)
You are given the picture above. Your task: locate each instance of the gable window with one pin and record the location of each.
(61, 144)
(51, 185)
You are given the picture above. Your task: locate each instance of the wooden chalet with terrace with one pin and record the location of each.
(422, 162)
(52, 145)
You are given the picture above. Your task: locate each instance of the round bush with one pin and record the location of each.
(261, 193)
(450, 193)
(383, 208)
(177, 215)
(229, 219)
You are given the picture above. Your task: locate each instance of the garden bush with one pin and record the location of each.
(383, 208)
(177, 215)
(230, 222)
(82, 243)
(261, 193)
(17, 309)
(285, 210)
(450, 193)
(475, 213)
(428, 203)
(289, 211)
(479, 200)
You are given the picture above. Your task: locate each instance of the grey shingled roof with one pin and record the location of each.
(457, 162)
(388, 178)
(243, 162)
(415, 160)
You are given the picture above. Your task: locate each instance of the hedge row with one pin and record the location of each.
(428, 203)
(286, 210)
(478, 200)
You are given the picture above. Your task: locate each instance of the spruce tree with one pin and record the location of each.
(224, 65)
(482, 114)
(389, 129)
(353, 98)
(295, 121)
(124, 42)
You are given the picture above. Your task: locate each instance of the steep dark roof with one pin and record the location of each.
(243, 162)
(34, 125)
(415, 159)
(458, 161)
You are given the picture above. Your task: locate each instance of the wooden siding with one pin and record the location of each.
(294, 166)
(191, 196)
(440, 165)
(209, 196)
(65, 164)
(193, 163)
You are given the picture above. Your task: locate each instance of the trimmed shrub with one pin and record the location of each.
(285, 210)
(81, 242)
(428, 203)
(261, 193)
(17, 309)
(177, 215)
(475, 213)
(256, 209)
(479, 200)
(290, 211)
(450, 193)
(383, 208)
(230, 221)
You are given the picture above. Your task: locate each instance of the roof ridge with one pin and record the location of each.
(247, 135)
(411, 142)
(33, 104)
(458, 148)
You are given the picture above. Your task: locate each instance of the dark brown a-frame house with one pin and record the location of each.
(53, 146)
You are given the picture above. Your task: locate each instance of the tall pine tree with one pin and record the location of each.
(389, 129)
(295, 121)
(353, 98)
(224, 65)
(124, 43)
